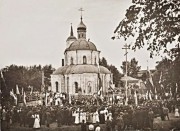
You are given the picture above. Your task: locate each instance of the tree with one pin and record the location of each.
(48, 70)
(132, 67)
(116, 74)
(167, 75)
(155, 23)
(25, 76)
(103, 62)
(176, 73)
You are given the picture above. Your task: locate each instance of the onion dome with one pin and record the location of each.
(81, 25)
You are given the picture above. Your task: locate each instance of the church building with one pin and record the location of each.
(80, 71)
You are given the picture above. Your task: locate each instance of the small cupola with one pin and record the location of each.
(81, 30)
(71, 38)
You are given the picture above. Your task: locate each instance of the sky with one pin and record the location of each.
(34, 32)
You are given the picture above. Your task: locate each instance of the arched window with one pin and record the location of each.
(84, 60)
(57, 86)
(89, 87)
(95, 61)
(76, 87)
(71, 61)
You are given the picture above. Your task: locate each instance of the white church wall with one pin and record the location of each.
(69, 55)
(90, 80)
(54, 79)
(95, 57)
(77, 56)
(83, 80)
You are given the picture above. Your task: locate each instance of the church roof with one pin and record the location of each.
(80, 69)
(82, 44)
(71, 38)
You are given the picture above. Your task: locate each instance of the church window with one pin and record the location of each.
(76, 87)
(57, 86)
(89, 88)
(71, 61)
(84, 60)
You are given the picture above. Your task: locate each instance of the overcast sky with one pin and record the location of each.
(35, 31)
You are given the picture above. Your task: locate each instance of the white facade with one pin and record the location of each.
(80, 72)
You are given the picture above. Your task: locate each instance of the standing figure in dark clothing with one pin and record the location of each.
(108, 124)
(161, 112)
(48, 118)
(101, 117)
(66, 114)
(69, 121)
(151, 118)
(83, 126)
(120, 122)
(113, 124)
(30, 118)
(166, 112)
(22, 115)
(59, 117)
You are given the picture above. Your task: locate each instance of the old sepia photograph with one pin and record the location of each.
(90, 65)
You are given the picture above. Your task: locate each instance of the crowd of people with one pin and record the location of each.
(90, 115)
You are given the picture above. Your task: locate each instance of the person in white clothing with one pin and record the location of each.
(94, 117)
(36, 121)
(91, 127)
(97, 116)
(110, 116)
(76, 114)
(105, 113)
(81, 116)
(98, 128)
(84, 116)
(176, 114)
